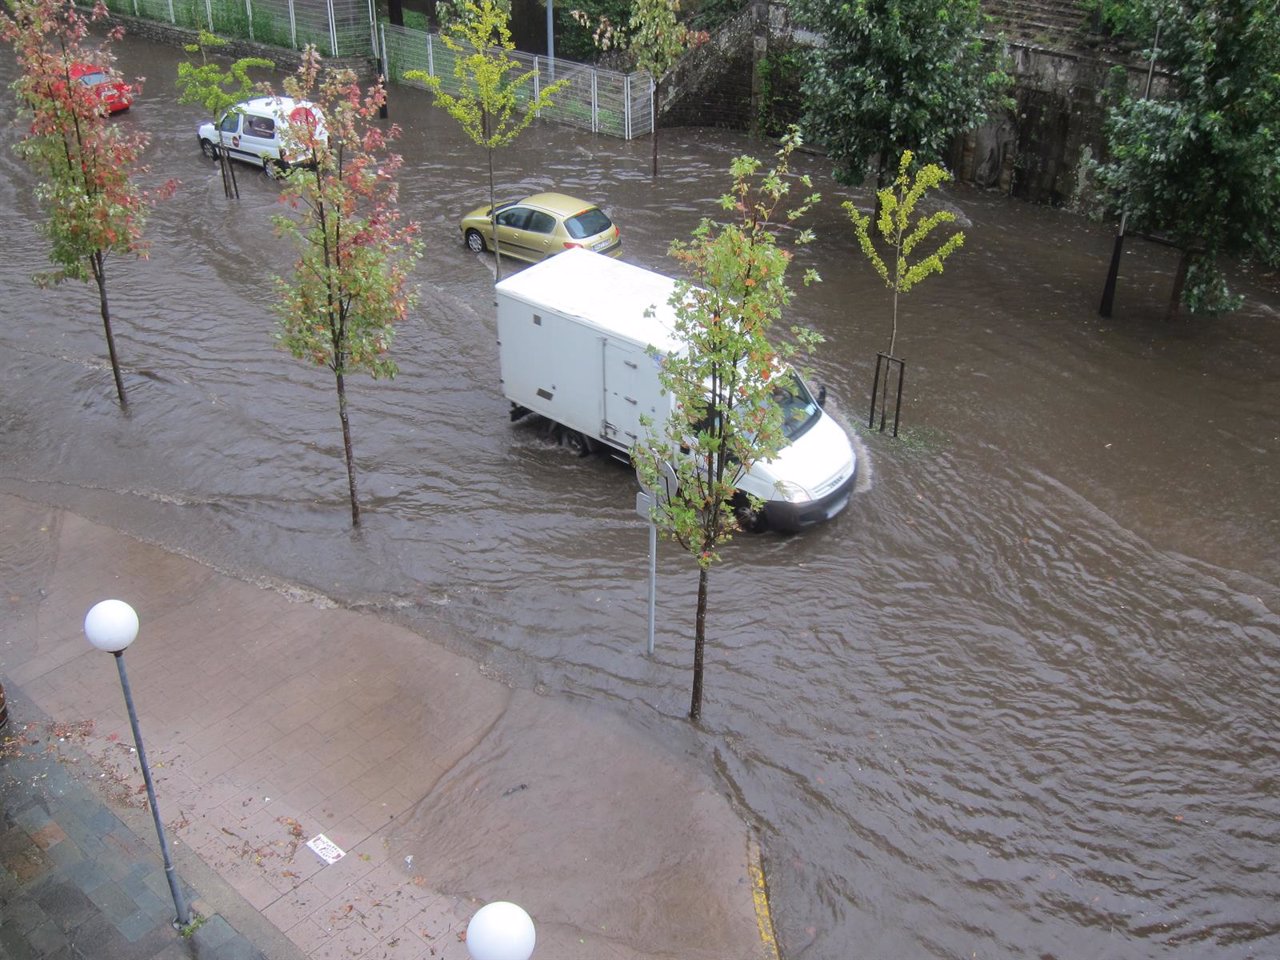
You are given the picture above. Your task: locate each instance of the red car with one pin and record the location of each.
(115, 94)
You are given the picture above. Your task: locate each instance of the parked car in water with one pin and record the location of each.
(112, 92)
(541, 226)
(267, 131)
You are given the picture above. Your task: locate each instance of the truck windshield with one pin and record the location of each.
(799, 410)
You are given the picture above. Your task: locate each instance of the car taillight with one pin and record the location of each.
(569, 244)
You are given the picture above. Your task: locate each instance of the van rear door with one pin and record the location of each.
(625, 393)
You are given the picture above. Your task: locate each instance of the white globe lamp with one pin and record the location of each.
(500, 931)
(111, 625)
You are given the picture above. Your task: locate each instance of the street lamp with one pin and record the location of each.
(500, 931)
(111, 626)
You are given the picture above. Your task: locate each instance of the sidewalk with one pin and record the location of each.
(77, 881)
(271, 719)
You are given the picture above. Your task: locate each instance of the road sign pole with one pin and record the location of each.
(653, 578)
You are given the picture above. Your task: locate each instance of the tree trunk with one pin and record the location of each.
(346, 448)
(1179, 281)
(229, 185)
(493, 211)
(699, 644)
(98, 264)
(657, 90)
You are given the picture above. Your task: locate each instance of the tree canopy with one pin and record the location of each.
(726, 415)
(895, 75)
(350, 285)
(494, 100)
(1202, 168)
(86, 163)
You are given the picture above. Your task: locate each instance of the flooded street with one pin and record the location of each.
(1019, 700)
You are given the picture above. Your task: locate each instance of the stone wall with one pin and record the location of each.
(713, 84)
(1037, 152)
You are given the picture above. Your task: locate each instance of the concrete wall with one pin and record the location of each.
(1037, 152)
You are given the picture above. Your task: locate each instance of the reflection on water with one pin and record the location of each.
(1015, 701)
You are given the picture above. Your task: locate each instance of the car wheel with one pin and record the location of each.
(575, 442)
(275, 169)
(475, 242)
(208, 149)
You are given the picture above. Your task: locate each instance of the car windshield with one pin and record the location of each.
(799, 410)
(587, 223)
(93, 79)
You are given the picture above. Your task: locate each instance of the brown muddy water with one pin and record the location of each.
(1019, 700)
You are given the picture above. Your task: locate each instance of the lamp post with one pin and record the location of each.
(500, 931)
(111, 626)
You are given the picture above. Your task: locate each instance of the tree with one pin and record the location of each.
(722, 380)
(492, 106)
(893, 75)
(84, 162)
(350, 285)
(218, 91)
(656, 40)
(896, 205)
(1203, 168)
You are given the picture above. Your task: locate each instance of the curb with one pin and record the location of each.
(760, 897)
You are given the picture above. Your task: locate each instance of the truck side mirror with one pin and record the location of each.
(822, 395)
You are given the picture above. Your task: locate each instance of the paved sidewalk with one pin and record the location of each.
(272, 717)
(77, 881)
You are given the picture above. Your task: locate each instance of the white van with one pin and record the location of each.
(254, 131)
(574, 335)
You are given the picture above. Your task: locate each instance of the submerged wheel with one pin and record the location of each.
(749, 516)
(208, 149)
(575, 442)
(475, 242)
(275, 169)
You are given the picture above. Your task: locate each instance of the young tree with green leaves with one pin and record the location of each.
(723, 378)
(1203, 167)
(218, 90)
(903, 234)
(492, 105)
(85, 162)
(350, 286)
(893, 75)
(656, 40)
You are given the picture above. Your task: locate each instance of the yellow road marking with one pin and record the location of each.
(760, 894)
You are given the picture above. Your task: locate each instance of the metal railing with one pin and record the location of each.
(602, 101)
(338, 28)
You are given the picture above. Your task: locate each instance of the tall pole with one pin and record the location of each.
(1109, 288)
(551, 40)
(175, 888)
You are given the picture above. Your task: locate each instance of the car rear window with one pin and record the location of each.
(587, 223)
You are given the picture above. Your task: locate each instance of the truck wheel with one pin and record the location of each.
(208, 149)
(750, 518)
(475, 242)
(575, 442)
(275, 169)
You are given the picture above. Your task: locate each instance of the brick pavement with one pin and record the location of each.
(76, 880)
(272, 716)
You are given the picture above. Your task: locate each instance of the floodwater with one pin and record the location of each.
(1019, 700)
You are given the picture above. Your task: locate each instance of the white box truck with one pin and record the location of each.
(574, 333)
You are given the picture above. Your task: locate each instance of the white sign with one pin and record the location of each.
(644, 503)
(326, 849)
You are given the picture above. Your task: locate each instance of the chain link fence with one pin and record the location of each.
(338, 28)
(602, 101)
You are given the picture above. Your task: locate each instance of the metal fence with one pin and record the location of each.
(602, 101)
(338, 28)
